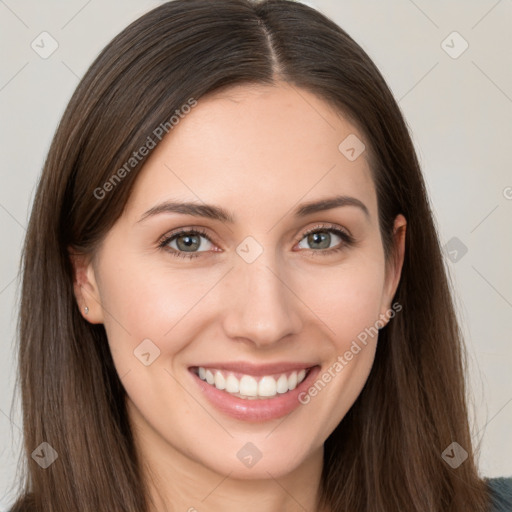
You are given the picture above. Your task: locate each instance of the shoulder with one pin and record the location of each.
(501, 494)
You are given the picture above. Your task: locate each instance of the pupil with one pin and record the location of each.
(189, 241)
(320, 237)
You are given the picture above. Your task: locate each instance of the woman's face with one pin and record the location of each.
(249, 296)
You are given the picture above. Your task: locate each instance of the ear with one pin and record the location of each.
(394, 265)
(85, 287)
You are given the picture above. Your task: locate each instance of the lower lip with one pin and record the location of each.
(257, 410)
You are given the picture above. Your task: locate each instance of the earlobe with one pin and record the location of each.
(85, 287)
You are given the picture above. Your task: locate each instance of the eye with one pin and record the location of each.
(320, 238)
(186, 243)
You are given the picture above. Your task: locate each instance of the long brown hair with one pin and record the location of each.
(385, 455)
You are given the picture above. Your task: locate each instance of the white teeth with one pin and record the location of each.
(282, 384)
(232, 384)
(209, 377)
(248, 386)
(267, 386)
(220, 381)
(292, 381)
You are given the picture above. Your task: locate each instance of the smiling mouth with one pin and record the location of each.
(249, 386)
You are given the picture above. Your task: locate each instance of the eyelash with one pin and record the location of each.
(348, 240)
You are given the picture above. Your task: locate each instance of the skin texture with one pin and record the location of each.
(259, 152)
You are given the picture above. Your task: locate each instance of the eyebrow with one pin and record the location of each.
(213, 212)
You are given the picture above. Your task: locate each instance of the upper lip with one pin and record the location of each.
(258, 369)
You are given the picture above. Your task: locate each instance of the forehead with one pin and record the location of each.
(255, 146)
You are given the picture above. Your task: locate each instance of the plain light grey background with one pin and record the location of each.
(455, 90)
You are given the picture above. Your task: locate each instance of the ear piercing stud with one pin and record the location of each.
(86, 310)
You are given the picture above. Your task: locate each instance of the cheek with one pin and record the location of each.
(143, 298)
(146, 300)
(346, 298)
(348, 301)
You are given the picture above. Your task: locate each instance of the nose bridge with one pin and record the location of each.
(262, 308)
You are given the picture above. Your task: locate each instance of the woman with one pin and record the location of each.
(184, 345)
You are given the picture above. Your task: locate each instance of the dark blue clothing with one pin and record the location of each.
(501, 494)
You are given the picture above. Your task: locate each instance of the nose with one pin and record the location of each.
(260, 305)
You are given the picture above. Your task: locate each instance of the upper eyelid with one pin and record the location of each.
(165, 239)
(326, 227)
